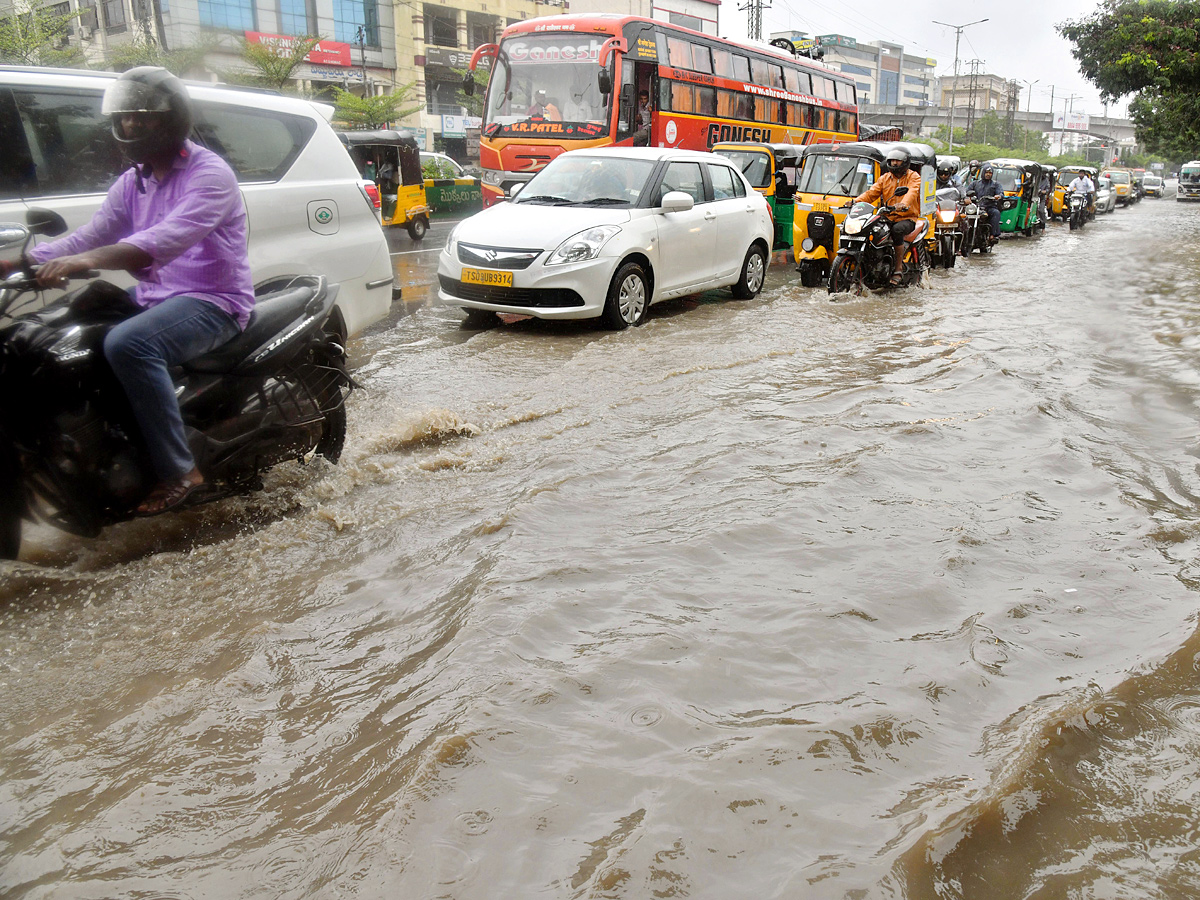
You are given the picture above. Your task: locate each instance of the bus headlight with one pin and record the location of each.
(583, 246)
(494, 177)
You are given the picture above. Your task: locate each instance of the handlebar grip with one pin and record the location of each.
(90, 273)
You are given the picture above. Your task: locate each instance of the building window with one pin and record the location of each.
(114, 16)
(913, 79)
(350, 15)
(856, 70)
(889, 88)
(441, 26)
(234, 15)
(687, 21)
(297, 17)
(915, 95)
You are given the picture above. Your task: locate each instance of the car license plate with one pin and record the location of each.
(820, 207)
(487, 277)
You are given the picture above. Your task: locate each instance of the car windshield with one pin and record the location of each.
(755, 165)
(826, 173)
(1008, 177)
(546, 86)
(571, 180)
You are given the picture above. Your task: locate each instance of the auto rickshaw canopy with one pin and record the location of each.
(399, 148)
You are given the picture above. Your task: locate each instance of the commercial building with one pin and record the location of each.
(981, 92)
(882, 71)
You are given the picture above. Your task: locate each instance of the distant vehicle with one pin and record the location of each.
(1152, 185)
(606, 232)
(391, 159)
(1189, 181)
(1106, 197)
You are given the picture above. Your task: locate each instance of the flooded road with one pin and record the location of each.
(891, 597)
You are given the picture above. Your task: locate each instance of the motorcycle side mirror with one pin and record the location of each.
(45, 222)
(900, 192)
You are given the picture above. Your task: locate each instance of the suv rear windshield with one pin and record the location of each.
(54, 142)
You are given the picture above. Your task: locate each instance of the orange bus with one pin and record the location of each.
(564, 82)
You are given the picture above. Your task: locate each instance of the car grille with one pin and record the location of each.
(496, 257)
(538, 298)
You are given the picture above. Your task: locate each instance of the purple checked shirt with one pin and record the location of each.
(192, 224)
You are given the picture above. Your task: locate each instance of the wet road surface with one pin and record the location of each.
(889, 597)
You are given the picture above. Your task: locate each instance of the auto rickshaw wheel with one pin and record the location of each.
(812, 274)
(417, 227)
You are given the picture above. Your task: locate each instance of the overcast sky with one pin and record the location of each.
(1019, 42)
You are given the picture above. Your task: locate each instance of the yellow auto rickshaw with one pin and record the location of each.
(1066, 175)
(831, 176)
(392, 160)
(772, 170)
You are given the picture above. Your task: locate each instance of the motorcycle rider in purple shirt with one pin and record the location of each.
(176, 222)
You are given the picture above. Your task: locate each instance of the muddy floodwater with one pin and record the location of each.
(894, 597)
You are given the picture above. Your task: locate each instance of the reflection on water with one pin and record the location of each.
(886, 597)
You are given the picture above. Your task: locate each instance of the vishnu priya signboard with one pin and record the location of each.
(323, 53)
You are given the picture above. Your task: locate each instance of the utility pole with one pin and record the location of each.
(362, 46)
(1029, 111)
(958, 30)
(976, 65)
(754, 26)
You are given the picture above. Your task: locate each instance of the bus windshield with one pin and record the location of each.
(547, 84)
(847, 176)
(1189, 174)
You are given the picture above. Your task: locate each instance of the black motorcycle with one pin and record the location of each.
(71, 453)
(1077, 211)
(977, 230)
(866, 255)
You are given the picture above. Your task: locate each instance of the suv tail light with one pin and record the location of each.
(370, 190)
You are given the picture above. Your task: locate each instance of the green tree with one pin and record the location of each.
(374, 112)
(33, 35)
(144, 51)
(1149, 48)
(274, 64)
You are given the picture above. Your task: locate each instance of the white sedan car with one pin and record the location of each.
(607, 232)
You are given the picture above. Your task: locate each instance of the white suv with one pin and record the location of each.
(306, 210)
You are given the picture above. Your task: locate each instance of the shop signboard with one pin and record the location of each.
(323, 53)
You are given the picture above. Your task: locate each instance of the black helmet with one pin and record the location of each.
(152, 90)
(987, 169)
(896, 161)
(946, 169)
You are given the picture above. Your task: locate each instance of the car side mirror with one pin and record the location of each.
(677, 201)
(45, 222)
(12, 234)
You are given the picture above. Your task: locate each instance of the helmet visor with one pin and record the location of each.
(133, 97)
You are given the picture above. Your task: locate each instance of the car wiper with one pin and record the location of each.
(603, 201)
(546, 198)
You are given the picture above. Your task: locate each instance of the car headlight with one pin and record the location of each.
(492, 176)
(583, 246)
(853, 226)
(450, 241)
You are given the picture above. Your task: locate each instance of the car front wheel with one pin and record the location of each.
(754, 272)
(628, 297)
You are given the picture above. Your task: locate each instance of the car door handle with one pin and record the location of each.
(710, 216)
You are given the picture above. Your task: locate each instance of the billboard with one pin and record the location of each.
(323, 53)
(1072, 121)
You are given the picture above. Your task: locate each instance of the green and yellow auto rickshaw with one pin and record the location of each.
(1019, 178)
(772, 170)
(831, 176)
(392, 160)
(1067, 174)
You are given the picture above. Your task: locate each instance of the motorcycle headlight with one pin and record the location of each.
(971, 210)
(946, 216)
(583, 246)
(492, 176)
(853, 226)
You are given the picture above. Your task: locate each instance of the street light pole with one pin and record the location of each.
(1028, 110)
(362, 47)
(958, 30)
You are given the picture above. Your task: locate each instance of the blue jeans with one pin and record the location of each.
(143, 348)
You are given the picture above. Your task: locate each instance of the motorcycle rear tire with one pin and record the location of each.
(844, 274)
(327, 391)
